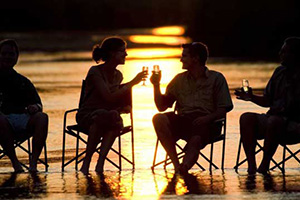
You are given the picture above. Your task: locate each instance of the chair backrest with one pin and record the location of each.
(81, 93)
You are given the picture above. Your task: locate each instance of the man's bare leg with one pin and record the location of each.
(275, 127)
(248, 127)
(194, 145)
(38, 124)
(7, 143)
(161, 125)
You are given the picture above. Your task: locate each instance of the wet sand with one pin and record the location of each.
(143, 184)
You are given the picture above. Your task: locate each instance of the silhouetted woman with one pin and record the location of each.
(98, 112)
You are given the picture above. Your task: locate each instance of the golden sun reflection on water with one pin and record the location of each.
(153, 52)
(151, 39)
(169, 30)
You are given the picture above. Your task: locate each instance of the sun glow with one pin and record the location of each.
(154, 52)
(168, 40)
(169, 30)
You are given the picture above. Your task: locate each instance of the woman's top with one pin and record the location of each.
(92, 99)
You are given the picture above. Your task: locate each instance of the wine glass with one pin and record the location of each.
(145, 70)
(245, 86)
(156, 69)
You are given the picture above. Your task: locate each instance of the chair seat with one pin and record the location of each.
(72, 128)
(218, 138)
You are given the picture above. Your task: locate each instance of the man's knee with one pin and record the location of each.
(161, 125)
(160, 119)
(275, 124)
(195, 143)
(4, 124)
(40, 118)
(247, 118)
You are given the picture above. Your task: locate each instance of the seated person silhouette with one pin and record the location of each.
(21, 113)
(103, 96)
(201, 95)
(282, 121)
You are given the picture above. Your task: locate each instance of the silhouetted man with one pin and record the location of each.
(20, 108)
(201, 95)
(282, 122)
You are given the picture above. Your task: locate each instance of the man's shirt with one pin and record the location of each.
(203, 95)
(283, 92)
(16, 93)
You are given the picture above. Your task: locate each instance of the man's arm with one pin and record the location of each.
(162, 102)
(262, 101)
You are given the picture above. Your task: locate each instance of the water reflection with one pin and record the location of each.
(152, 39)
(169, 30)
(30, 185)
(276, 183)
(193, 183)
(112, 184)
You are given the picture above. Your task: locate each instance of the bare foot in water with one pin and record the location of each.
(33, 168)
(84, 169)
(99, 169)
(263, 167)
(18, 168)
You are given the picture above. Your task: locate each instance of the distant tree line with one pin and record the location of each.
(237, 28)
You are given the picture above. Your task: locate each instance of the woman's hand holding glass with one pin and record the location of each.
(139, 77)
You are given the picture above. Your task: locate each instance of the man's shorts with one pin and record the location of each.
(291, 135)
(182, 126)
(18, 123)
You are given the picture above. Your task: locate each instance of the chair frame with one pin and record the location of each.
(180, 155)
(74, 130)
(19, 143)
(280, 165)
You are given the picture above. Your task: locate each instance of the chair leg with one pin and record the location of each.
(120, 153)
(63, 151)
(211, 156)
(283, 159)
(46, 158)
(223, 154)
(29, 150)
(77, 149)
(238, 156)
(155, 153)
(132, 148)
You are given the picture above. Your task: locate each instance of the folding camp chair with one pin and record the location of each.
(78, 133)
(280, 165)
(182, 150)
(18, 144)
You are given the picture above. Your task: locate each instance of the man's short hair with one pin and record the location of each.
(294, 45)
(10, 42)
(197, 49)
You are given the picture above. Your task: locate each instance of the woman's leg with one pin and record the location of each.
(95, 133)
(107, 142)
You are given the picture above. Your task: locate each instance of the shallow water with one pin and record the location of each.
(59, 84)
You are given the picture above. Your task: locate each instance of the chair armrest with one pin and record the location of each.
(66, 114)
(219, 120)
